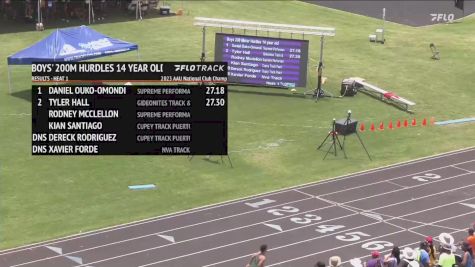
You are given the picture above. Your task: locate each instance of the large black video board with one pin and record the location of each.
(263, 61)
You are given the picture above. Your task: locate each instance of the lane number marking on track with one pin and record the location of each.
(258, 204)
(283, 210)
(446, 238)
(426, 177)
(307, 218)
(377, 245)
(328, 228)
(351, 236)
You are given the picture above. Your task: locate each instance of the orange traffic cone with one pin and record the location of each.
(381, 126)
(414, 123)
(406, 123)
(362, 128)
(390, 126)
(424, 122)
(398, 125)
(372, 127)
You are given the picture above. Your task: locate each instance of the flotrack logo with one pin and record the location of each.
(443, 17)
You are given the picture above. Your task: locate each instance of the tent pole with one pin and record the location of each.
(321, 49)
(9, 80)
(203, 46)
(89, 11)
(138, 55)
(39, 12)
(92, 12)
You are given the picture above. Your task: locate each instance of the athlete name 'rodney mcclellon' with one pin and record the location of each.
(96, 113)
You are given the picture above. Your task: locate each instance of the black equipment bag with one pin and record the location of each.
(349, 87)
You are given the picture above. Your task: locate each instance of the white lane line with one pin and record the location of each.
(364, 256)
(455, 166)
(359, 210)
(323, 251)
(412, 187)
(401, 217)
(372, 216)
(301, 192)
(238, 242)
(329, 201)
(179, 228)
(146, 221)
(283, 246)
(417, 233)
(417, 198)
(235, 201)
(396, 178)
(393, 183)
(59, 251)
(378, 216)
(446, 219)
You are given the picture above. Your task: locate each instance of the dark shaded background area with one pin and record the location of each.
(413, 13)
(22, 15)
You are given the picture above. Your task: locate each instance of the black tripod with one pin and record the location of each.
(348, 122)
(208, 157)
(319, 93)
(334, 135)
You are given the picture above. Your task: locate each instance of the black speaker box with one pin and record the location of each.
(346, 127)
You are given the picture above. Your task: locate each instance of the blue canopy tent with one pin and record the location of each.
(70, 44)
